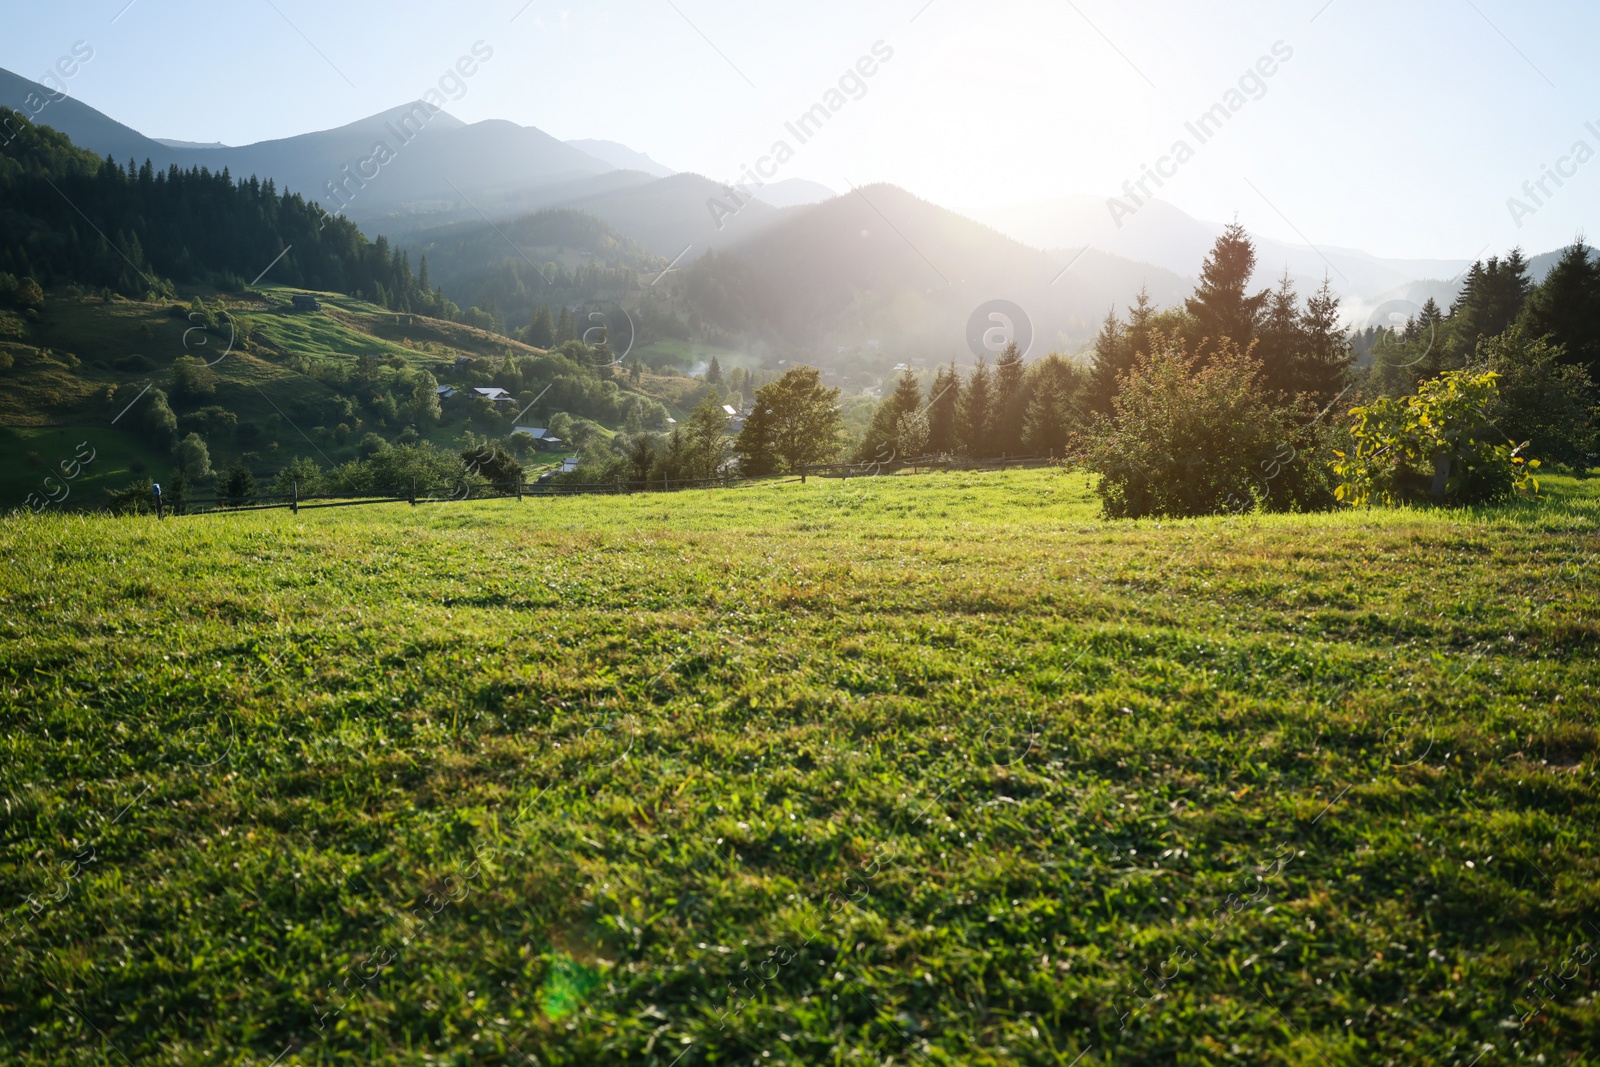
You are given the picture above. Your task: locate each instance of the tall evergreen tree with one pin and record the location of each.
(973, 429)
(1222, 305)
(1279, 339)
(714, 373)
(1489, 302)
(755, 445)
(1052, 409)
(541, 331)
(1323, 369)
(1566, 308)
(1110, 362)
(1010, 404)
(882, 441)
(566, 330)
(944, 398)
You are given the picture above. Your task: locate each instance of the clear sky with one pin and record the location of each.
(1400, 128)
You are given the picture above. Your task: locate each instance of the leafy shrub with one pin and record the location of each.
(497, 466)
(192, 380)
(239, 487)
(136, 498)
(302, 476)
(1188, 436)
(1437, 446)
(1543, 401)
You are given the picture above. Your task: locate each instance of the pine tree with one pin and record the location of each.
(1280, 340)
(1141, 325)
(1566, 308)
(1109, 364)
(707, 440)
(1010, 404)
(541, 331)
(239, 487)
(566, 330)
(944, 398)
(973, 428)
(1052, 409)
(1221, 305)
(754, 443)
(882, 441)
(1323, 369)
(714, 373)
(1489, 302)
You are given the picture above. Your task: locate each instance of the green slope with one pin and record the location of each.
(79, 363)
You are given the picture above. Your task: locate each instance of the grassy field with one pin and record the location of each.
(939, 769)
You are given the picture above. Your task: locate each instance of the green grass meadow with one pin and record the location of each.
(941, 769)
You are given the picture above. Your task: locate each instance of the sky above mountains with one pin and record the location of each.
(1439, 128)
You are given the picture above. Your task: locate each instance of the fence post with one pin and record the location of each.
(519, 488)
(802, 474)
(413, 497)
(294, 498)
(158, 503)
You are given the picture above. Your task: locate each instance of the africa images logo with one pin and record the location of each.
(994, 324)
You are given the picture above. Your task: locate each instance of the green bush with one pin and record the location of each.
(1191, 436)
(1543, 401)
(1438, 446)
(136, 498)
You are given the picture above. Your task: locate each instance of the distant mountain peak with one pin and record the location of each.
(172, 142)
(622, 157)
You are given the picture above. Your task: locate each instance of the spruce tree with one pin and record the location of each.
(1109, 363)
(541, 331)
(1010, 403)
(714, 373)
(1489, 302)
(565, 328)
(1323, 369)
(944, 398)
(1566, 308)
(1222, 305)
(973, 428)
(1280, 340)
(882, 441)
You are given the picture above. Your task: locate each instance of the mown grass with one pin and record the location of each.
(940, 769)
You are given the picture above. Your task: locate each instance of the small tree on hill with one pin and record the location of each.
(542, 331)
(239, 487)
(800, 422)
(495, 465)
(193, 458)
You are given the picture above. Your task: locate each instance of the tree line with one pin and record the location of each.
(69, 216)
(1243, 397)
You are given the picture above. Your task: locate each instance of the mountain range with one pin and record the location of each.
(826, 270)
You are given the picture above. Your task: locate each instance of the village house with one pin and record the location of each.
(543, 439)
